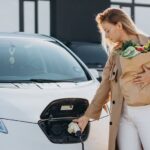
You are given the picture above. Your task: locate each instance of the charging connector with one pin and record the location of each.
(74, 128)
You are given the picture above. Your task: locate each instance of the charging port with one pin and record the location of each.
(56, 117)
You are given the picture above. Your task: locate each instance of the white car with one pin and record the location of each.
(43, 86)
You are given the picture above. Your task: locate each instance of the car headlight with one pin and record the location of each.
(3, 129)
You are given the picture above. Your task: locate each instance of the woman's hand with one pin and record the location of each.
(142, 77)
(82, 122)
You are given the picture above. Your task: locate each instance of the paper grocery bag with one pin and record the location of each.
(134, 94)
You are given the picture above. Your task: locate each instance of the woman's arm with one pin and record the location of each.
(102, 93)
(100, 98)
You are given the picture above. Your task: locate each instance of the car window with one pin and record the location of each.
(24, 59)
(93, 55)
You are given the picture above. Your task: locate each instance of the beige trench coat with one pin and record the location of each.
(110, 83)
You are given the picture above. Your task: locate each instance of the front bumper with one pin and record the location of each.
(29, 136)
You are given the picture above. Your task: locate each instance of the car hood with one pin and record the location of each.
(26, 102)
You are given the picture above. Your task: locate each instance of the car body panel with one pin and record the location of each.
(26, 103)
(22, 103)
(27, 136)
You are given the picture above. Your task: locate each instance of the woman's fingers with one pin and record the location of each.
(75, 120)
(143, 77)
(138, 78)
(82, 122)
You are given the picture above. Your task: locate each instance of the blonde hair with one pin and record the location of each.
(113, 16)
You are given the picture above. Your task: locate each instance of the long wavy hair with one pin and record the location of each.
(113, 16)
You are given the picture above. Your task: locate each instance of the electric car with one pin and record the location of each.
(43, 87)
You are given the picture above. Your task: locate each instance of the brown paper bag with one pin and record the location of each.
(134, 94)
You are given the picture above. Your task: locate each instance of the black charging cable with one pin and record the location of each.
(79, 134)
(82, 142)
(74, 128)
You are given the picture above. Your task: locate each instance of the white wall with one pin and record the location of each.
(141, 14)
(29, 13)
(43, 19)
(142, 19)
(9, 16)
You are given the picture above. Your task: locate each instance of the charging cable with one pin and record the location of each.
(74, 128)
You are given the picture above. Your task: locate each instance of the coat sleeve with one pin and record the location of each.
(102, 93)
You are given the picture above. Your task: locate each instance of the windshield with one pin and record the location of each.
(29, 59)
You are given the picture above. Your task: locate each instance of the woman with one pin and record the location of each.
(129, 125)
